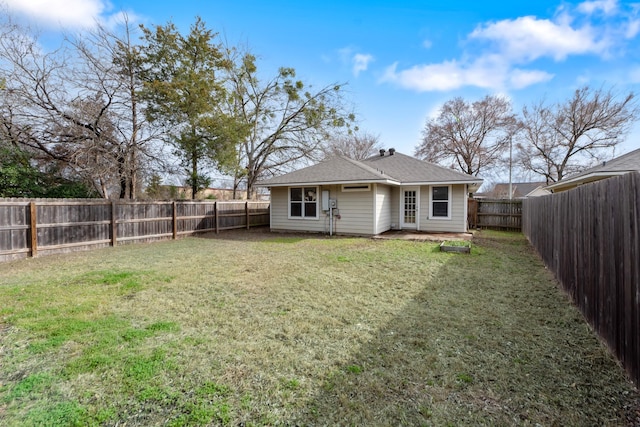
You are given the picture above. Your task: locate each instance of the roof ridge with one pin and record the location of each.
(368, 168)
(411, 158)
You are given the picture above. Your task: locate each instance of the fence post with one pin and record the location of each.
(175, 220)
(114, 224)
(215, 214)
(34, 228)
(246, 211)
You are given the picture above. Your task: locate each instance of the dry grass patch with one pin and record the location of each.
(262, 329)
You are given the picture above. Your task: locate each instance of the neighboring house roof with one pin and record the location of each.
(393, 169)
(626, 163)
(520, 190)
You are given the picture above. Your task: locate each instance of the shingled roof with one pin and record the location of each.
(409, 170)
(393, 169)
(626, 163)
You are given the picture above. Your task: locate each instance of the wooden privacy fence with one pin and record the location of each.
(589, 237)
(496, 214)
(32, 227)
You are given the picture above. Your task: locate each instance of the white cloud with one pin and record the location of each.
(63, 13)
(427, 44)
(633, 28)
(608, 7)
(519, 79)
(361, 62)
(486, 72)
(500, 55)
(528, 38)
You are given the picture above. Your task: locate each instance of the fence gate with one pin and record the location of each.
(495, 214)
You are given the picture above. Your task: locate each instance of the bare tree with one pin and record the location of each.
(71, 104)
(570, 136)
(112, 63)
(286, 121)
(356, 146)
(470, 137)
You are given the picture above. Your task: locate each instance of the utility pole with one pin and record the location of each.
(510, 166)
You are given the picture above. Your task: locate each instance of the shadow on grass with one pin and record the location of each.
(490, 340)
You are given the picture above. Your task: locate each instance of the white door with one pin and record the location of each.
(409, 208)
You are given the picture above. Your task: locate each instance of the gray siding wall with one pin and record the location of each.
(383, 208)
(355, 210)
(458, 221)
(395, 207)
(280, 214)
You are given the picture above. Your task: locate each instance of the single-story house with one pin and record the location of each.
(621, 165)
(390, 191)
(519, 190)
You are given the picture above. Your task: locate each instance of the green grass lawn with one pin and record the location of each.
(266, 329)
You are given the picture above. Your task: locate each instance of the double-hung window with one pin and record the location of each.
(303, 202)
(441, 202)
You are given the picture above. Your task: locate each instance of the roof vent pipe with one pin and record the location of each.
(391, 151)
(382, 152)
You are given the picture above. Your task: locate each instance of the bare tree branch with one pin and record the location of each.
(358, 146)
(470, 137)
(567, 137)
(286, 121)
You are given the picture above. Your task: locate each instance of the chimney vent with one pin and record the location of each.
(391, 151)
(382, 152)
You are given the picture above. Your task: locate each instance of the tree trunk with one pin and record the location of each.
(194, 177)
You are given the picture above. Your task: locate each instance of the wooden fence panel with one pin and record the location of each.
(144, 221)
(62, 226)
(14, 230)
(258, 214)
(590, 238)
(30, 227)
(232, 215)
(196, 216)
(496, 214)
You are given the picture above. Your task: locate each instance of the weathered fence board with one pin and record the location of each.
(590, 238)
(496, 214)
(43, 226)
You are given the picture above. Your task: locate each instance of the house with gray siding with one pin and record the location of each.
(390, 191)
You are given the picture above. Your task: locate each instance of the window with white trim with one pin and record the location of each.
(441, 201)
(303, 202)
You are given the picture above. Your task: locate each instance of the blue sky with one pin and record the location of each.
(403, 59)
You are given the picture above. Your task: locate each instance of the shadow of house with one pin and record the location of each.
(450, 357)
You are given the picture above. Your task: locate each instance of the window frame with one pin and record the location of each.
(302, 203)
(448, 202)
